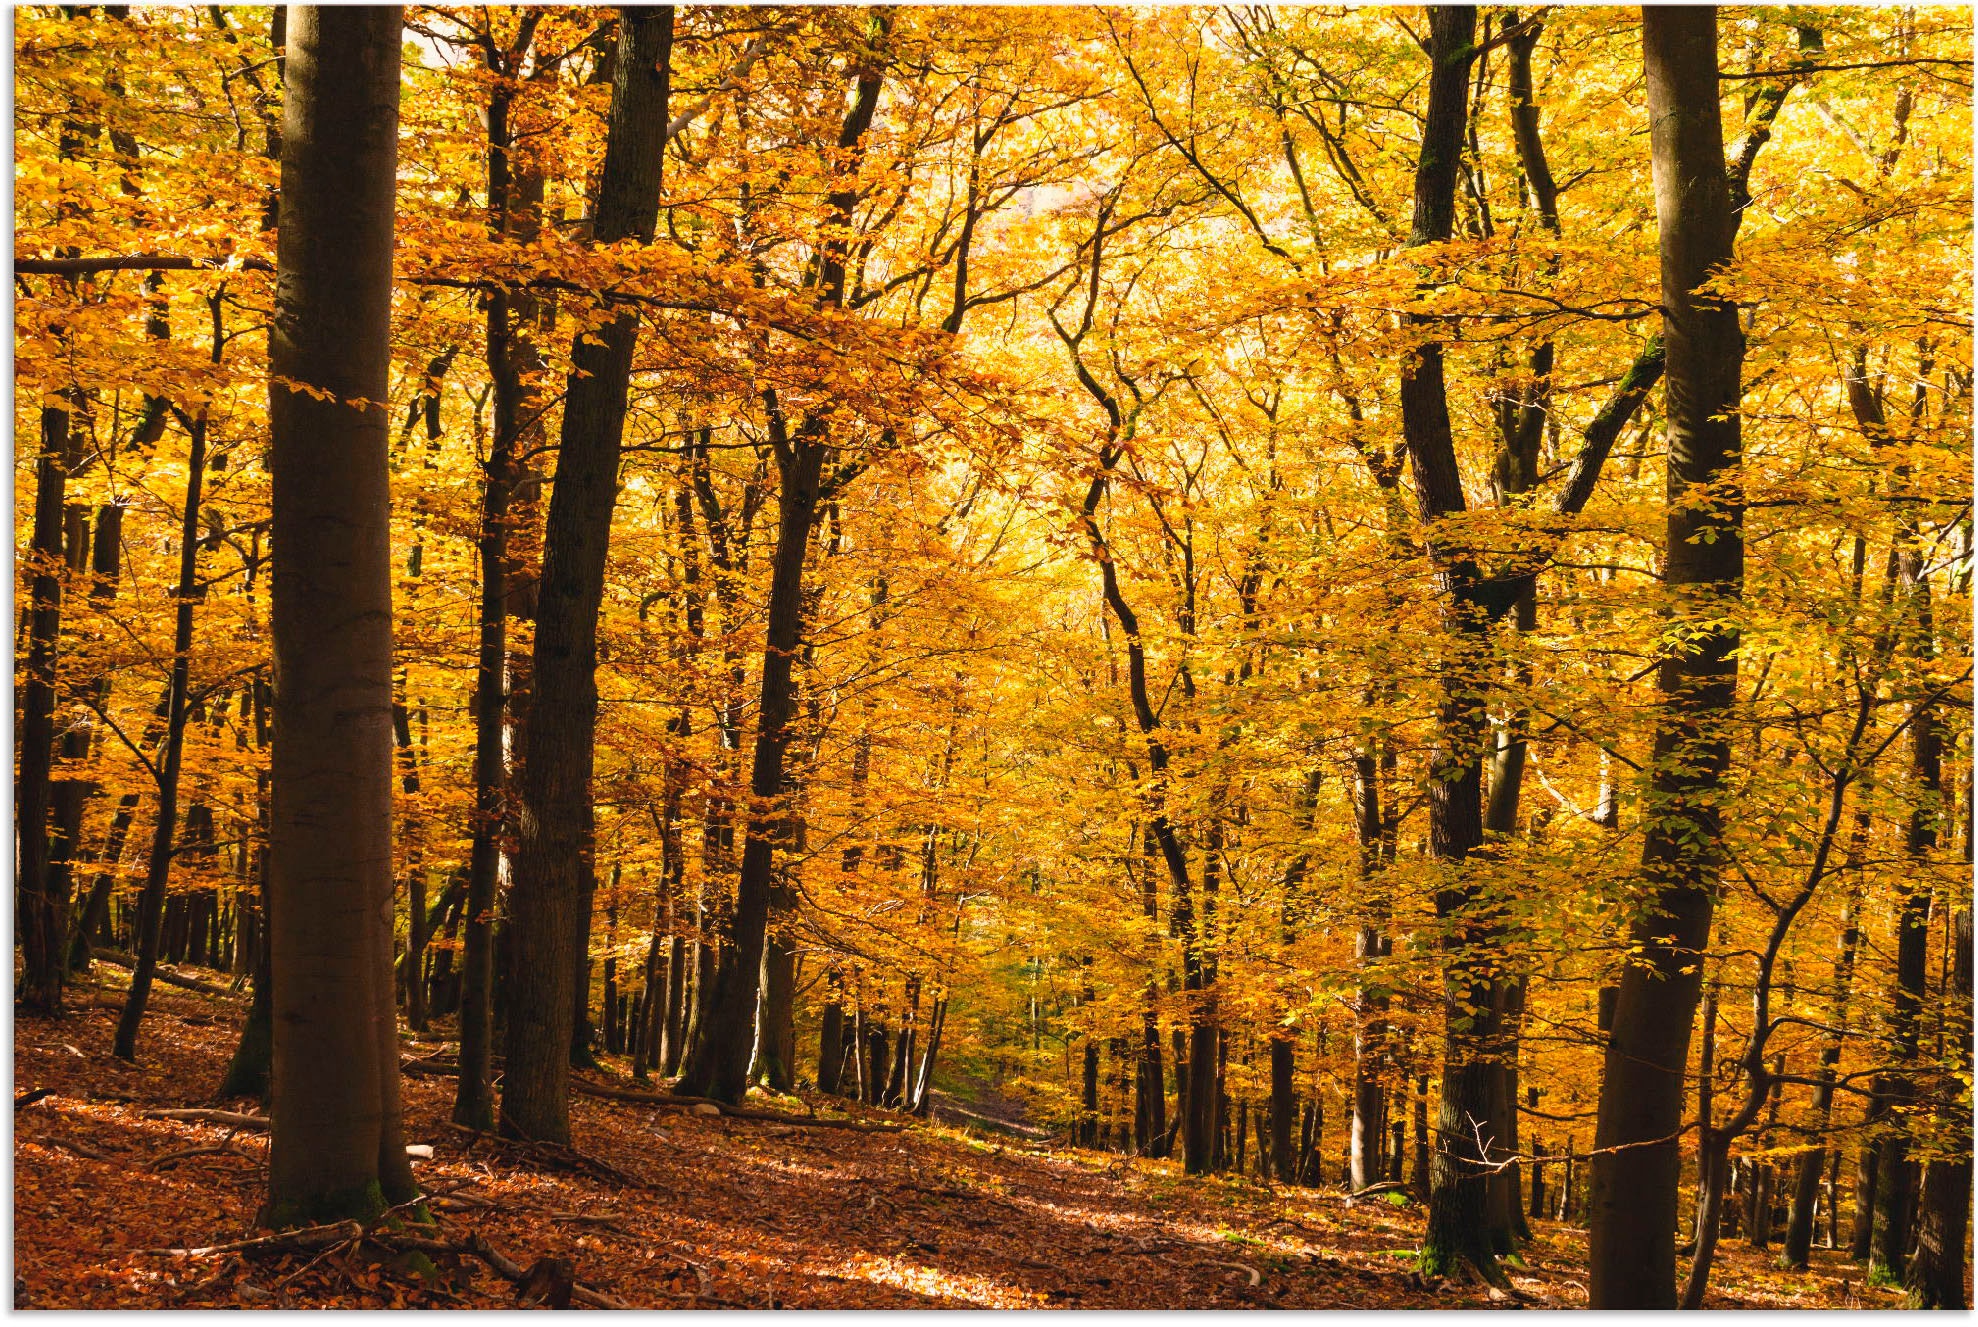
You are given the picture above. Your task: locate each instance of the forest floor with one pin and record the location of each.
(720, 1212)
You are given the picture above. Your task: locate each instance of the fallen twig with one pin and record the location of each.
(1256, 1277)
(207, 1115)
(29, 1098)
(185, 1153)
(309, 1239)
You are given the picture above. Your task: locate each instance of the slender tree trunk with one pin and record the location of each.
(338, 1147)
(1284, 1108)
(1861, 1237)
(1936, 1271)
(1637, 1161)
(831, 1039)
(1895, 1182)
(920, 1104)
(554, 867)
(1798, 1249)
(106, 568)
(157, 874)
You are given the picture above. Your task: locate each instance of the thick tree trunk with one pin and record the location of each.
(41, 923)
(776, 1043)
(1637, 1161)
(554, 865)
(1458, 1230)
(337, 1146)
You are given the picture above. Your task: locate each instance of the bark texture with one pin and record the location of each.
(337, 1146)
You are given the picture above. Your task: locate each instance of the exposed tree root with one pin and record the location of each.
(556, 1156)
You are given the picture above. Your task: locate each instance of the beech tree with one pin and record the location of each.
(338, 1147)
(549, 906)
(1637, 1167)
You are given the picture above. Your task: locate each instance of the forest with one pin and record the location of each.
(702, 656)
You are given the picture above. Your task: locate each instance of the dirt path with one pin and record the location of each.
(732, 1213)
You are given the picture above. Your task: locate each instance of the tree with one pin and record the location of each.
(338, 1148)
(717, 1064)
(549, 903)
(1637, 1165)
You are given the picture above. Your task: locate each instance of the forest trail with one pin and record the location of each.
(733, 1213)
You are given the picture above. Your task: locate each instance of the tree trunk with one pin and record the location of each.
(1637, 1162)
(831, 1038)
(1936, 1271)
(106, 568)
(1895, 1182)
(776, 1043)
(1458, 1230)
(1861, 1237)
(1798, 1250)
(337, 1147)
(40, 923)
(1284, 1108)
(1368, 1126)
(920, 1104)
(157, 873)
(554, 866)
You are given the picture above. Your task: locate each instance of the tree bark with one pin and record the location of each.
(1637, 1159)
(337, 1147)
(42, 924)
(554, 865)
(1935, 1276)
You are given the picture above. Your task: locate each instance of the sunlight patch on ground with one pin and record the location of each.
(914, 1278)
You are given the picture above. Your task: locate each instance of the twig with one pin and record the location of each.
(206, 1115)
(212, 1149)
(1256, 1277)
(306, 1240)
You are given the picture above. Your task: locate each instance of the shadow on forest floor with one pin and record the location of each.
(734, 1213)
